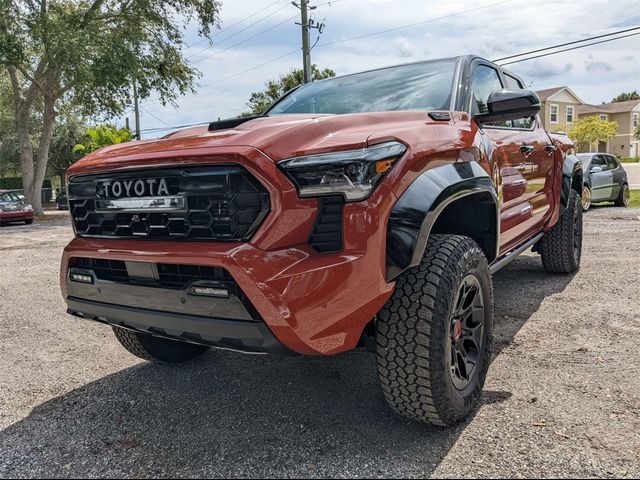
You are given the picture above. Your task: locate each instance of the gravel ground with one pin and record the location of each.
(562, 397)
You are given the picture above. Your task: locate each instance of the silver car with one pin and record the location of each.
(604, 180)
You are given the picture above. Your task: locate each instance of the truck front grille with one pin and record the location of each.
(216, 203)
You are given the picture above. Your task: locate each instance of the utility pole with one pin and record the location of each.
(306, 44)
(306, 52)
(136, 108)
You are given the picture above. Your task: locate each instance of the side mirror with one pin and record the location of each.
(595, 170)
(506, 105)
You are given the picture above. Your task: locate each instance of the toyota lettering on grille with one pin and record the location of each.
(147, 187)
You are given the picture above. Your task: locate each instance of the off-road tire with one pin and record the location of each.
(414, 352)
(561, 247)
(623, 197)
(157, 349)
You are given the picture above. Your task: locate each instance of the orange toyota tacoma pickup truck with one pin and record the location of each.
(365, 210)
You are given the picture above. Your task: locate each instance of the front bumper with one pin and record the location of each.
(6, 217)
(312, 304)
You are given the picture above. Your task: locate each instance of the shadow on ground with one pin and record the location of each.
(233, 415)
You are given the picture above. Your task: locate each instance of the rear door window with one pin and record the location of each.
(612, 163)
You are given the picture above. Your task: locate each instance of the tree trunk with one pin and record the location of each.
(26, 154)
(48, 125)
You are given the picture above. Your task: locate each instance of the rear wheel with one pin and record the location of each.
(561, 247)
(624, 197)
(586, 198)
(29, 222)
(157, 349)
(434, 334)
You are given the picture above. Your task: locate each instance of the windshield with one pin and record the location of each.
(421, 86)
(8, 197)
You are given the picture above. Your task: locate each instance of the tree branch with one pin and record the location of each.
(89, 14)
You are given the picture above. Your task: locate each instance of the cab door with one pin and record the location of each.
(524, 157)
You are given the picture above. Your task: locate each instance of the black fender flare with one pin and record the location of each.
(572, 177)
(418, 208)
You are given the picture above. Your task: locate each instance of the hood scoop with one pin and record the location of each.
(231, 122)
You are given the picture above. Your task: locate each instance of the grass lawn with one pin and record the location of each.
(635, 199)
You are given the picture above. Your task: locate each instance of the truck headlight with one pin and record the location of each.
(353, 174)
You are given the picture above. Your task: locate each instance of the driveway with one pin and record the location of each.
(562, 397)
(633, 174)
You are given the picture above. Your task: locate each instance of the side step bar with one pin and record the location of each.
(497, 265)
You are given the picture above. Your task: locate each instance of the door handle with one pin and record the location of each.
(527, 150)
(550, 149)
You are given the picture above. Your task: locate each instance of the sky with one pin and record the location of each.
(247, 52)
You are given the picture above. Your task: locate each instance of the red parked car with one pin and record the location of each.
(365, 210)
(14, 208)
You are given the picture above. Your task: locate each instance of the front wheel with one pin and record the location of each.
(434, 334)
(624, 197)
(29, 222)
(157, 349)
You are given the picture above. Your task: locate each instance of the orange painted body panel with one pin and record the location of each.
(314, 303)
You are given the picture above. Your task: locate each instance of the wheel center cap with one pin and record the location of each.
(457, 329)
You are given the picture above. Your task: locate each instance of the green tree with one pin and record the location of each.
(587, 132)
(274, 89)
(102, 136)
(624, 96)
(90, 52)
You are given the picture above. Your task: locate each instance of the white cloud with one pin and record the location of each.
(513, 26)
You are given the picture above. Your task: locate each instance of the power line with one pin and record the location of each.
(252, 68)
(154, 116)
(238, 32)
(174, 127)
(568, 43)
(243, 41)
(422, 22)
(237, 23)
(321, 22)
(568, 49)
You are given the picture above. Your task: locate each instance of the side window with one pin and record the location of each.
(514, 84)
(484, 81)
(553, 113)
(599, 161)
(612, 163)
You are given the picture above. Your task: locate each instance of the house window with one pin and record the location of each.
(569, 114)
(635, 119)
(604, 117)
(553, 113)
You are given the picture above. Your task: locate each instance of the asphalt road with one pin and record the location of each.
(562, 397)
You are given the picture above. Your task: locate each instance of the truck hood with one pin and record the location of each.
(279, 137)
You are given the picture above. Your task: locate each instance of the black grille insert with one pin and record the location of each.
(170, 276)
(221, 203)
(327, 232)
(113, 270)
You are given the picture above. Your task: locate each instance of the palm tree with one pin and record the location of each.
(101, 136)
